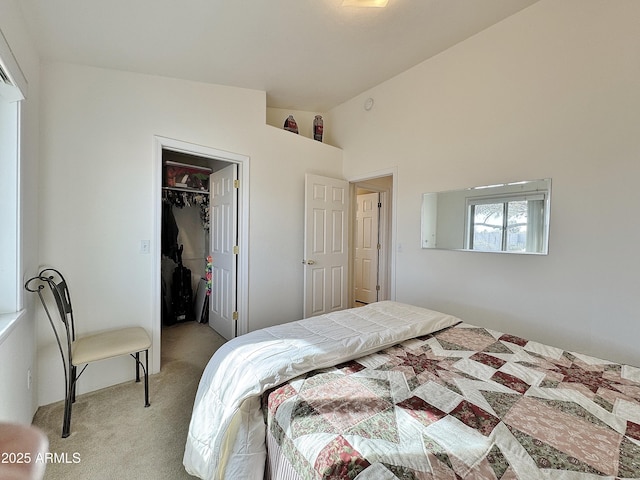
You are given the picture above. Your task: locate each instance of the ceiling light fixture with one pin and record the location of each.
(364, 3)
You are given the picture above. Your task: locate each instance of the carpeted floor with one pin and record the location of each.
(114, 437)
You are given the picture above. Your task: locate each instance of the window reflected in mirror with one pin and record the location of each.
(506, 218)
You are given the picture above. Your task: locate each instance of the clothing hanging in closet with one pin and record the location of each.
(181, 199)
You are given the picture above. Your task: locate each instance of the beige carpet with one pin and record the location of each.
(114, 437)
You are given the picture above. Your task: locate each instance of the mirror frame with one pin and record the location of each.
(454, 223)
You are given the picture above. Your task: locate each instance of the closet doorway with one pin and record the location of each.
(372, 240)
(201, 234)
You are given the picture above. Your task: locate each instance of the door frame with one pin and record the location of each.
(163, 143)
(390, 226)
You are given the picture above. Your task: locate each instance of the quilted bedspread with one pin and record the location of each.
(226, 438)
(464, 402)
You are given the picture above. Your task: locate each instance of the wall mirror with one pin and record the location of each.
(506, 218)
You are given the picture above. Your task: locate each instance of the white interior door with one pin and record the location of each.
(326, 251)
(224, 237)
(367, 247)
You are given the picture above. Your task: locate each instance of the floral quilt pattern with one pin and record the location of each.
(462, 403)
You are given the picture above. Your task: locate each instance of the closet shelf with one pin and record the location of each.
(189, 166)
(186, 189)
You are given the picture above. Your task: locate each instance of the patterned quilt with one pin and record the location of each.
(462, 403)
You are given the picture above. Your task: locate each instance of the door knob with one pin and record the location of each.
(308, 262)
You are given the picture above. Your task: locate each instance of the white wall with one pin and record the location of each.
(17, 351)
(550, 92)
(98, 130)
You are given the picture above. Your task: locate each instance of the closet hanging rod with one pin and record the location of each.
(188, 165)
(187, 190)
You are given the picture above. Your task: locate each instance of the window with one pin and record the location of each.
(509, 223)
(12, 89)
(8, 206)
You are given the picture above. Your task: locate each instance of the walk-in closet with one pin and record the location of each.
(185, 237)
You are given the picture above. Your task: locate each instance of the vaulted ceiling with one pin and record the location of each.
(306, 54)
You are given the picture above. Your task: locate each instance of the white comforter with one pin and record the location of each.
(226, 437)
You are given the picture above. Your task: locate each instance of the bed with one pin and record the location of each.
(394, 391)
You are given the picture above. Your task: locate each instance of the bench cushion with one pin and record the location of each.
(108, 344)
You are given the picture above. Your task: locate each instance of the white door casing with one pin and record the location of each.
(387, 226)
(224, 227)
(326, 246)
(367, 261)
(243, 162)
